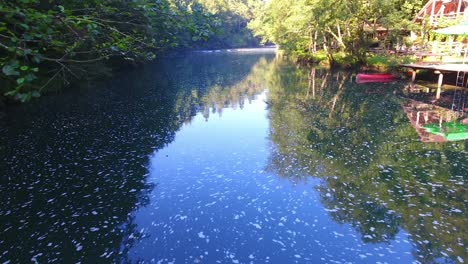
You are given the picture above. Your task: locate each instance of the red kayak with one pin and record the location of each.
(375, 77)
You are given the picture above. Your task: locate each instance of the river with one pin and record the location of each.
(228, 157)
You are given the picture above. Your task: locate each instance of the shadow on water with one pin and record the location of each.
(376, 174)
(75, 165)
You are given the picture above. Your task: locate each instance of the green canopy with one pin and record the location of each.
(460, 29)
(451, 131)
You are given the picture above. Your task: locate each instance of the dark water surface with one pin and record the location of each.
(228, 158)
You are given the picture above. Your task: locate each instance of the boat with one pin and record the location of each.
(450, 131)
(374, 77)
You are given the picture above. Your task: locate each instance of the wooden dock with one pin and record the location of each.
(439, 69)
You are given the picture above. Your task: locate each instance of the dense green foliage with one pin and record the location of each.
(49, 41)
(44, 44)
(348, 27)
(230, 19)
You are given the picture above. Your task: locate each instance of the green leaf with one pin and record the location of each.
(10, 93)
(9, 70)
(24, 26)
(36, 59)
(24, 97)
(20, 80)
(24, 68)
(36, 94)
(15, 64)
(30, 77)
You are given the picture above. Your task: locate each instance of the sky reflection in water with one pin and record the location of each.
(216, 203)
(229, 158)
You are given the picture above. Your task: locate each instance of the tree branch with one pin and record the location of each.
(48, 81)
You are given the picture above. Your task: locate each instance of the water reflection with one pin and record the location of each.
(75, 166)
(375, 174)
(190, 160)
(436, 124)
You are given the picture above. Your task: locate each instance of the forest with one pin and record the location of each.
(46, 45)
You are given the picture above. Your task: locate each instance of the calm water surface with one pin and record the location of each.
(228, 158)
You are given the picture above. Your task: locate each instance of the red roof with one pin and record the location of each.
(436, 9)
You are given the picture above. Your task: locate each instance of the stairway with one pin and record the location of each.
(459, 95)
(460, 79)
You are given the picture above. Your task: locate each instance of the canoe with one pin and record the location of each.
(376, 77)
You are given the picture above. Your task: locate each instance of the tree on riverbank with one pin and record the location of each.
(51, 42)
(44, 45)
(231, 19)
(334, 27)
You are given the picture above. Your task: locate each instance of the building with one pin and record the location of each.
(436, 11)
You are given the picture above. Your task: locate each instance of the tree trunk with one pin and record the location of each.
(331, 60)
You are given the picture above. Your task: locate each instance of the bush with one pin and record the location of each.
(387, 62)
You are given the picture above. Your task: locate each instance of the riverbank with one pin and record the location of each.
(341, 60)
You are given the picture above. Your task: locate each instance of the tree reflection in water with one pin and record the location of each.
(85, 159)
(74, 166)
(375, 173)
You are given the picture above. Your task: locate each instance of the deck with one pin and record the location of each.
(439, 69)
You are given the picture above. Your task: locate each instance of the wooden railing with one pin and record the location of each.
(436, 19)
(449, 48)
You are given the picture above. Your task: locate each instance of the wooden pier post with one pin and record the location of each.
(439, 69)
(439, 84)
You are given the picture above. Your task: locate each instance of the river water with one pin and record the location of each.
(229, 157)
